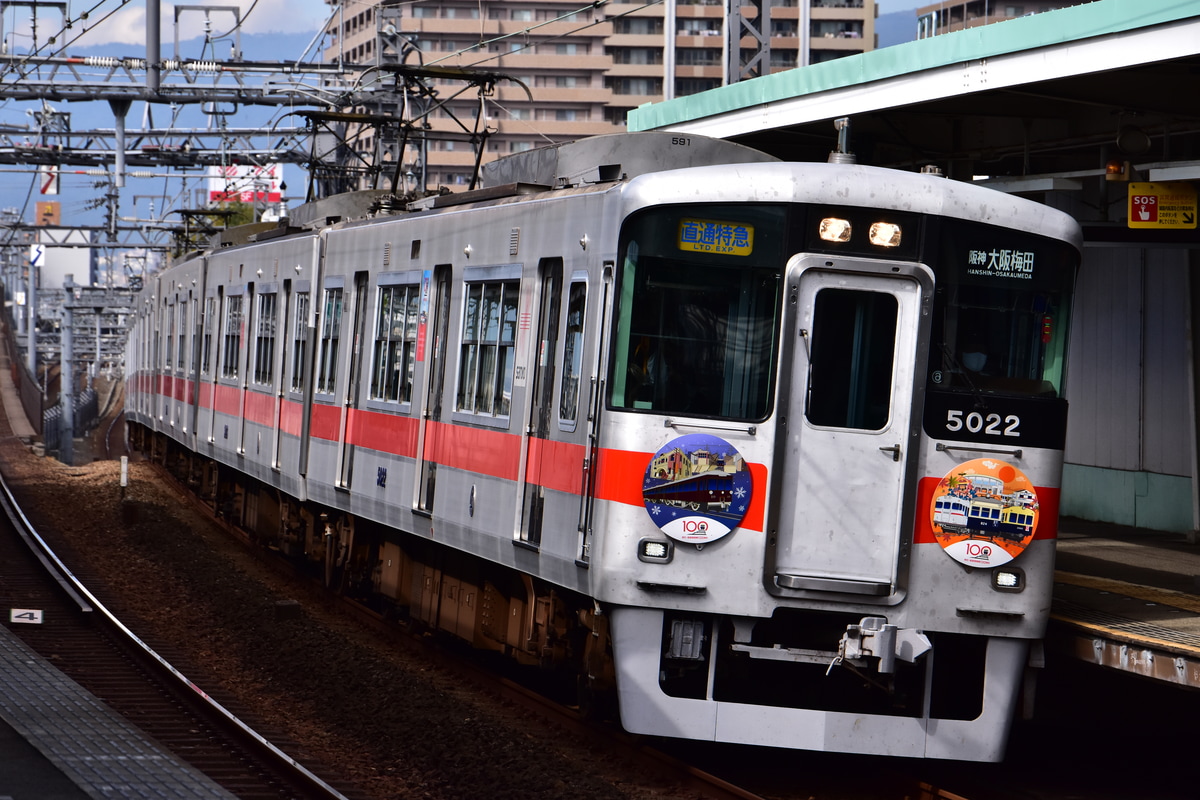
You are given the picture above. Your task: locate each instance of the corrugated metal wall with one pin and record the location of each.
(1129, 387)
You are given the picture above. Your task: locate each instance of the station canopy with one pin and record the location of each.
(1030, 101)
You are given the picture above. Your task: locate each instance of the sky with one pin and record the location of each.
(271, 30)
(110, 22)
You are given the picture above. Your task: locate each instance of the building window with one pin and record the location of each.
(264, 342)
(698, 27)
(638, 26)
(636, 86)
(488, 342)
(699, 57)
(784, 58)
(567, 49)
(639, 55)
(395, 343)
(565, 114)
(233, 336)
(331, 323)
(686, 86)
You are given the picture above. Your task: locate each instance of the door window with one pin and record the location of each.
(853, 347)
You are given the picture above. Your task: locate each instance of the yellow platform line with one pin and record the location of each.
(1150, 594)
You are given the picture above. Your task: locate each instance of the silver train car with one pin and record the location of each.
(663, 412)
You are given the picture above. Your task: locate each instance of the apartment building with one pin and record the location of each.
(585, 66)
(956, 15)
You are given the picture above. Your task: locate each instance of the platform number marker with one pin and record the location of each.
(28, 616)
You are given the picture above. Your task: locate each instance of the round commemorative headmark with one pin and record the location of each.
(984, 512)
(697, 488)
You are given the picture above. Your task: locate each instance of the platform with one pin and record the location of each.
(59, 742)
(1129, 600)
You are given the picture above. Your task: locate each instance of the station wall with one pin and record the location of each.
(1130, 433)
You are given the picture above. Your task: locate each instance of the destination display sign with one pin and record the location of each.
(1171, 204)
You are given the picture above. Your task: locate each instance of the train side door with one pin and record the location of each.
(848, 454)
(542, 404)
(588, 387)
(433, 346)
(357, 323)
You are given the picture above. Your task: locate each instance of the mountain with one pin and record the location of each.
(896, 28)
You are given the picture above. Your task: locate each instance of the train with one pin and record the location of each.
(468, 410)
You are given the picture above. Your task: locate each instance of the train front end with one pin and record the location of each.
(830, 456)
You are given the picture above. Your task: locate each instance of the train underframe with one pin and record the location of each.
(404, 578)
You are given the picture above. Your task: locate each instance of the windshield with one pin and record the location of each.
(698, 311)
(1001, 311)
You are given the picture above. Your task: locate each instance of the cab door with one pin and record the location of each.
(848, 454)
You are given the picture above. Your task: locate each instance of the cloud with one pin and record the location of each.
(122, 22)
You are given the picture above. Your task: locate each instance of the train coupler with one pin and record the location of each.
(873, 637)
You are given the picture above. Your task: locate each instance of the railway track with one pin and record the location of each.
(79, 636)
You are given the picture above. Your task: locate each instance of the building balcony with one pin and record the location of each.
(634, 100)
(569, 130)
(635, 40)
(634, 71)
(701, 12)
(835, 14)
(524, 63)
(582, 97)
(701, 40)
(838, 42)
(699, 71)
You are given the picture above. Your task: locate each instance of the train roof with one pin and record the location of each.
(587, 164)
(614, 157)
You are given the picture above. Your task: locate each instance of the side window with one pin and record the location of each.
(300, 342)
(331, 323)
(210, 323)
(853, 352)
(395, 343)
(181, 334)
(233, 336)
(192, 318)
(572, 369)
(264, 342)
(489, 336)
(169, 314)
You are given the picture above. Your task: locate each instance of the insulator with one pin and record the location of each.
(101, 61)
(204, 66)
(170, 63)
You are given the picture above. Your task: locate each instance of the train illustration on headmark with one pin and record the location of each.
(660, 411)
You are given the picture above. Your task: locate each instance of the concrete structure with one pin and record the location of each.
(585, 67)
(1068, 107)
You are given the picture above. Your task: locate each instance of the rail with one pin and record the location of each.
(87, 603)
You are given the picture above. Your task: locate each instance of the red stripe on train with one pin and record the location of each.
(1047, 526)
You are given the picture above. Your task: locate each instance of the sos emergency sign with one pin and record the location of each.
(1162, 205)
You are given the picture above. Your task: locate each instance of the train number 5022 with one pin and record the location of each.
(990, 424)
